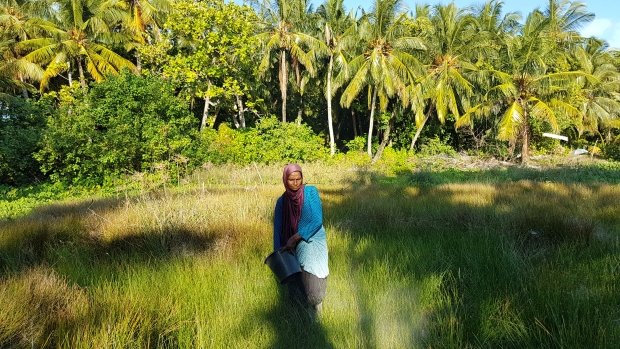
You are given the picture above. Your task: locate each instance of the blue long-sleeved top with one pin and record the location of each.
(312, 248)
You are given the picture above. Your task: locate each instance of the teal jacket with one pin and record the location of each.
(312, 249)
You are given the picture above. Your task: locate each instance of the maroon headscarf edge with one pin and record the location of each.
(292, 202)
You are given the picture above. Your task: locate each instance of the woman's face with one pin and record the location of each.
(294, 181)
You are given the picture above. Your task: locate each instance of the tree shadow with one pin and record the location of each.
(38, 238)
(293, 324)
(435, 228)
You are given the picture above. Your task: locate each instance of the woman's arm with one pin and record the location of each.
(277, 224)
(292, 242)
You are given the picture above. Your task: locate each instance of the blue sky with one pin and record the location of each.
(606, 24)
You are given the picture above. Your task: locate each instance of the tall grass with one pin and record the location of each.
(491, 262)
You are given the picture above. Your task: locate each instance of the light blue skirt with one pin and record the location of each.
(312, 255)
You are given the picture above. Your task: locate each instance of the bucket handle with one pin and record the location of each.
(283, 249)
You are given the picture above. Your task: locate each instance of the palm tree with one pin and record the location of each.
(19, 22)
(81, 36)
(598, 102)
(386, 66)
(564, 18)
(338, 34)
(142, 15)
(493, 23)
(453, 43)
(526, 87)
(281, 35)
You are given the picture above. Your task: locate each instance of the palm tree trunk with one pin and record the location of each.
(69, 76)
(24, 90)
(372, 119)
(386, 137)
(354, 121)
(525, 146)
(417, 133)
(138, 62)
(283, 82)
(329, 105)
(300, 110)
(81, 72)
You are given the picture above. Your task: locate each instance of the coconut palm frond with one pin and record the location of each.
(511, 122)
(112, 58)
(52, 70)
(467, 119)
(409, 43)
(541, 110)
(355, 86)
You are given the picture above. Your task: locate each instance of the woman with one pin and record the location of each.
(298, 226)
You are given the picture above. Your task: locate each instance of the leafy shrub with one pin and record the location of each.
(357, 144)
(611, 151)
(125, 124)
(21, 125)
(434, 146)
(395, 161)
(271, 141)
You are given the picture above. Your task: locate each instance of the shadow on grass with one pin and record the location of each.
(57, 235)
(58, 230)
(294, 326)
(497, 253)
(56, 241)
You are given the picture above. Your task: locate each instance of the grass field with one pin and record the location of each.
(431, 257)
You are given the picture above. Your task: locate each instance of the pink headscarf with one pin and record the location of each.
(292, 202)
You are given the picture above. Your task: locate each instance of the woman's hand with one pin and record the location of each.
(292, 242)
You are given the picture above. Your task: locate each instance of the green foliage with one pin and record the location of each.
(206, 50)
(77, 34)
(357, 144)
(395, 161)
(16, 202)
(544, 145)
(435, 146)
(21, 125)
(478, 68)
(269, 142)
(612, 151)
(125, 124)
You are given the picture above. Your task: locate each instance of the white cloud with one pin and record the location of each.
(614, 40)
(604, 29)
(596, 28)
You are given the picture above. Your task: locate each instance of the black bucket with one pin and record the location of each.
(283, 264)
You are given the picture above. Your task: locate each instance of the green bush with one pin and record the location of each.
(435, 146)
(611, 151)
(21, 125)
(125, 124)
(271, 141)
(357, 144)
